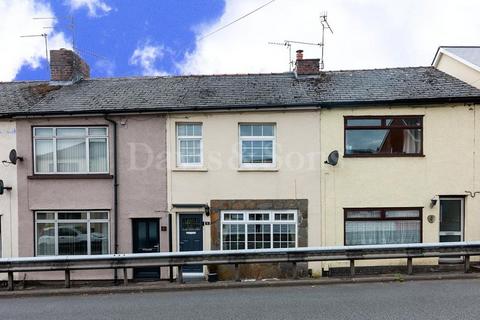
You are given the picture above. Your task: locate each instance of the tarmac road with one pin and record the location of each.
(447, 299)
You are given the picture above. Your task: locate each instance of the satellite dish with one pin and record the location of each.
(13, 157)
(3, 188)
(332, 158)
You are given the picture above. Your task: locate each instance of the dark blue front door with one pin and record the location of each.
(191, 236)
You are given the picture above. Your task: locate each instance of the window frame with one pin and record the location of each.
(382, 218)
(56, 221)
(178, 138)
(257, 138)
(383, 126)
(271, 221)
(54, 138)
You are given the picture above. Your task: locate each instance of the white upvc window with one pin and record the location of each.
(257, 145)
(189, 145)
(70, 150)
(259, 229)
(71, 233)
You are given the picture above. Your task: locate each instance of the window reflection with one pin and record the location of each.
(383, 136)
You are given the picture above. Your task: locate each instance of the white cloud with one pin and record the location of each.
(367, 34)
(145, 56)
(95, 8)
(106, 66)
(15, 21)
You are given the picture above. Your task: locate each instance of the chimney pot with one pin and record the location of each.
(299, 54)
(305, 67)
(67, 66)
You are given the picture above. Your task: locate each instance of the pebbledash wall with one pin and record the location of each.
(449, 167)
(141, 183)
(223, 184)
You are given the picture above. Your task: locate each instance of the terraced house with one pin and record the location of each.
(237, 162)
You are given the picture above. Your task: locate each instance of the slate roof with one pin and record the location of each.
(393, 85)
(376, 86)
(15, 95)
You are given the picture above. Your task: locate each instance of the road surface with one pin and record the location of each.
(449, 299)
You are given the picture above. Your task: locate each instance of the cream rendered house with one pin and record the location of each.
(249, 173)
(402, 177)
(462, 62)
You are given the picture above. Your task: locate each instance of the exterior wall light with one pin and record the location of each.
(433, 202)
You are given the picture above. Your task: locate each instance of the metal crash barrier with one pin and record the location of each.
(294, 256)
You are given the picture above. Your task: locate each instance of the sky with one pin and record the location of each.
(122, 38)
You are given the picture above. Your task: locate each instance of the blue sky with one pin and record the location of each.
(127, 25)
(165, 37)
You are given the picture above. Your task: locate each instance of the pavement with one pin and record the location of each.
(453, 299)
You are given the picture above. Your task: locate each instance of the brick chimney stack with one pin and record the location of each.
(66, 66)
(306, 67)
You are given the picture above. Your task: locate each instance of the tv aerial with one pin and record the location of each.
(288, 43)
(45, 37)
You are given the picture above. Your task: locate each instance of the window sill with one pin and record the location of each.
(257, 169)
(384, 156)
(192, 169)
(69, 176)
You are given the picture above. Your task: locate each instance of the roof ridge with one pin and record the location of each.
(189, 76)
(375, 69)
(23, 81)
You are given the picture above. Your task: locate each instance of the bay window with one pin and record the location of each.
(258, 230)
(70, 150)
(71, 233)
(383, 226)
(384, 136)
(257, 145)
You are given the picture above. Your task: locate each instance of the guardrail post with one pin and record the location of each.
(409, 265)
(467, 264)
(125, 277)
(294, 270)
(352, 268)
(237, 272)
(180, 274)
(10, 281)
(67, 278)
(170, 273)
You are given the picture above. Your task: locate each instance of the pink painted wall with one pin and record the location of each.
(141, 177)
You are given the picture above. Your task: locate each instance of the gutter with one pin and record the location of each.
(115, 189)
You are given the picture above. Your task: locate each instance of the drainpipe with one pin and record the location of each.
(115, 191)
(170, 247)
